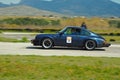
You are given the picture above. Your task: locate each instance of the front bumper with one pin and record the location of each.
(106, 44)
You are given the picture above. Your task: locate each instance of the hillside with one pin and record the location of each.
(77, 7)
(3, 5)
(23, 10)
(104, 8)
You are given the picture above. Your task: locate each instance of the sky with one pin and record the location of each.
(117, 1)
(10, 1)
(17, 1)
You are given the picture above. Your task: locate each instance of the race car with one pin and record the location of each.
(71, 36)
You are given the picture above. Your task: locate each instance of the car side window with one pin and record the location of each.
(85, 33)
(72, 31)
(68, 31)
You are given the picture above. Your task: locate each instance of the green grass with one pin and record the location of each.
(109, 38)
(3, 39)
(58, 68)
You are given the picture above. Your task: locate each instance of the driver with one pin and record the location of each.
(74, 31)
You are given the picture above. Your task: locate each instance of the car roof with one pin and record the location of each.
(73, 27)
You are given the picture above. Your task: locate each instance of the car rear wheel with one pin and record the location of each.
(47, 43)
(90, 44)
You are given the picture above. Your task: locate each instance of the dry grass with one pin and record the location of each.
(96, 24)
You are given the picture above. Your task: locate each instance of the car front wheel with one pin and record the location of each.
(90, 45)
(47, 43)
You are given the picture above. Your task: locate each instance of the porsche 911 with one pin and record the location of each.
(71, 36)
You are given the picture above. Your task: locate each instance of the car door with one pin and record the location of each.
(68, 38)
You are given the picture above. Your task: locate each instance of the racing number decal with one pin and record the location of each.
(69, 40)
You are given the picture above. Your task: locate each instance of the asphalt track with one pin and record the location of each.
(29, 49)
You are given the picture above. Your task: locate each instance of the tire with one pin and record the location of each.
(90, 44)
(47, 43)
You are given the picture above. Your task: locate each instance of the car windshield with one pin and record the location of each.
(62, 30)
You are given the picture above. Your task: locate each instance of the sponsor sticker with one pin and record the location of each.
(69, 40)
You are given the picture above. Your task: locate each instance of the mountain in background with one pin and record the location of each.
(23, 10)
(77, 7)
(3, 5)
(104, 8)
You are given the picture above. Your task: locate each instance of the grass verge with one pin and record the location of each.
(113, 39)
(58, 68)
(3, 39)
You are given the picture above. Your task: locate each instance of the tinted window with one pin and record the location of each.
(72, 31)
(68, 31)
(85, 33)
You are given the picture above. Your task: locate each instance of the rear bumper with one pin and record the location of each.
(35, 42)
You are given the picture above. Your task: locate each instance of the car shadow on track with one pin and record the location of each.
(65, 48)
